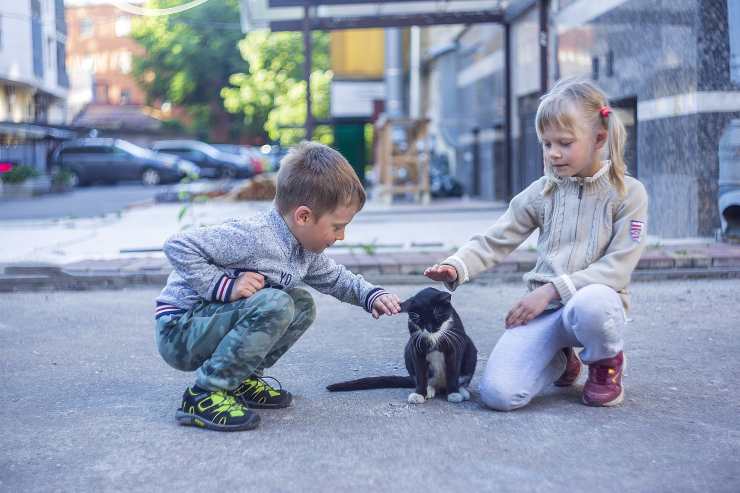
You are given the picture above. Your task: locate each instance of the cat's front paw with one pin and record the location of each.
(464, 392)
(455, 397)
(431, 392)
(415, 398)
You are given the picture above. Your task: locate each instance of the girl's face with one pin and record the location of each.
(572, 153)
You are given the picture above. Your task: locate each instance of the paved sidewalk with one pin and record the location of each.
(387, 244)
(715, 260)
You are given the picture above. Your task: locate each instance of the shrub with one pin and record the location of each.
(61, 177)
(19, 174)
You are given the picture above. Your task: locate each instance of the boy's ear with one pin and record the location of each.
(302, 215)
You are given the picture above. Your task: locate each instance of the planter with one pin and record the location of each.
(29, 188)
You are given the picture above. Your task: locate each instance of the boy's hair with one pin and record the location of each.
(574, 104)
(318, 177)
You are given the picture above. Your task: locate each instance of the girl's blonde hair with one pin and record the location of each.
(575, 105)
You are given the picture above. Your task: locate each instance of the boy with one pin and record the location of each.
(231, 306)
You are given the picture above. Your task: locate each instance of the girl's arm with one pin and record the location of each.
(628, 241)
(484, 251)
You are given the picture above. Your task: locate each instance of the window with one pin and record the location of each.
(123, 26)
(101, 93)
(37, 39)
(50, 49)
(124, 61)
(88, 64)
(125, 96)
(86, 27)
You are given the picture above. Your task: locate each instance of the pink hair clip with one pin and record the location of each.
(604, 111)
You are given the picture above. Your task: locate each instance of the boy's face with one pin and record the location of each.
(318, 235)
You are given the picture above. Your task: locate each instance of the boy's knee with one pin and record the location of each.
(305, 306)
(502, 397)
(275, 305)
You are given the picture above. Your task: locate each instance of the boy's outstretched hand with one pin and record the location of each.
(246, 285)
(388, 304)
(441, 273)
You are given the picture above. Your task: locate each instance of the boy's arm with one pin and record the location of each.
(510, 230)
(198, 255)
(614, 268)
(328, 277)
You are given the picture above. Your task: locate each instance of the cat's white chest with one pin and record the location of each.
(436, 362)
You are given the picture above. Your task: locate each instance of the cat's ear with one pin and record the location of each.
(405, 305)
(444, 297)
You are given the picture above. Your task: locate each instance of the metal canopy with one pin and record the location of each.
(327, 15)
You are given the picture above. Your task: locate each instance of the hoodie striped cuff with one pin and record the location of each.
(222, 291)
(165, 309)
(373, 295)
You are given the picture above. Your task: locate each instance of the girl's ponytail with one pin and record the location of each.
(616, 137)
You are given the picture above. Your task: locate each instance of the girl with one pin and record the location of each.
(591, 219)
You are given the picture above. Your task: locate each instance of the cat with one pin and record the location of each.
(439, 356)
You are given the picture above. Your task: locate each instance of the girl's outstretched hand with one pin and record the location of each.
(531, 306)
(441, 273)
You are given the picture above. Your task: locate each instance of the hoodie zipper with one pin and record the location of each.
(575, 232)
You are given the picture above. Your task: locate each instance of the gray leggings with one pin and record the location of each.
(528, 358)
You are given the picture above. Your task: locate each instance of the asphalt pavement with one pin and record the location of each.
(79, 203)
(89, 405)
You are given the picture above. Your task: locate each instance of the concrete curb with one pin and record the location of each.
(714, 261)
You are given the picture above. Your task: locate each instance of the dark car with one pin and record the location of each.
(113, 160)
(251, 155)
(212, 162)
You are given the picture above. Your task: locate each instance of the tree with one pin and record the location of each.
(188, 59)
(271, 93)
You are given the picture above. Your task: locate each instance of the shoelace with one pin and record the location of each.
(228, 404)
(260, 385)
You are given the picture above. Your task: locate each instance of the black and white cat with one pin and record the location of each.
(439, 356)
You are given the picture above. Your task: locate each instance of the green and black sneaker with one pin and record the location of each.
(215, 410)
(255, 392)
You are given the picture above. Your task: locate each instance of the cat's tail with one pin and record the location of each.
(389, 382)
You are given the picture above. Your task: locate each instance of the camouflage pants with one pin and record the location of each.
(227, 342)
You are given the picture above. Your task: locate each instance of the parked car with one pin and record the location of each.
(113, 160)
(251, 155)
(212, 162)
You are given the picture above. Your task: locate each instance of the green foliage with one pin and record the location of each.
(188, 58)
(271, 93)
(19, 174)
(61, 177)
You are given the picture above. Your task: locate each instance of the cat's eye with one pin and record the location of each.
(414, 316)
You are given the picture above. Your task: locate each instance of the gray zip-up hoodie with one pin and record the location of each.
(208, 260)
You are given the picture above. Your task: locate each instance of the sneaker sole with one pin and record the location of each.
(256, 405)
(615, 402)
(187, 419)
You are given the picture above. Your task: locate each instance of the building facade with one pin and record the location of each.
(33, 78)
(666, 65)
(100, 54)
